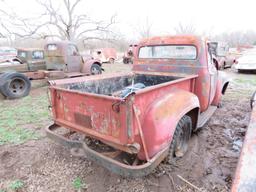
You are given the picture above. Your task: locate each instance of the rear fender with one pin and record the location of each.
(163, 116)
(222, 85)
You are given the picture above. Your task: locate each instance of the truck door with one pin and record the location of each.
(74, 59)
(212, 70)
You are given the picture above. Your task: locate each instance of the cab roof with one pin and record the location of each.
(175, 39)
(29, 49)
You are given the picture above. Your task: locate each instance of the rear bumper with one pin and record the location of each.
(107, 162)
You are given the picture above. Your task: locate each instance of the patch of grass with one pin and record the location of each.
(19, 118)
(16, 136)
(78, 184)
(16, 185)
(246, 81)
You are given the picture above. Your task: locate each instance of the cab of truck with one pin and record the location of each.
(185, 54)
(64, 56)
(32, 57)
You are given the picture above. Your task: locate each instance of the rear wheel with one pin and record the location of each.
(111, 60)
(15, 85)
(95, 69)
(182, 134)
(125, 60)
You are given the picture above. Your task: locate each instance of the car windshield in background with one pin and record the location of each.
(168, 52)
(37, 55)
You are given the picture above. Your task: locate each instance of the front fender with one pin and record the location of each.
(222, 85)
(162, 118)
(86, 68)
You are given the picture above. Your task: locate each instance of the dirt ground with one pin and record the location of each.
(209, 164)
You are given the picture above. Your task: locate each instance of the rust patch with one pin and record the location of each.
(84, 120)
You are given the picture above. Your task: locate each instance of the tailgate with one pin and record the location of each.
(102, 117)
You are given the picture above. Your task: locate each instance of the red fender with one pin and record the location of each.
(162, 118)
(86, 67)
(222, 84)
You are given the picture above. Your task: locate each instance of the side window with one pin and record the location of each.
(37, 55)
(72, 50)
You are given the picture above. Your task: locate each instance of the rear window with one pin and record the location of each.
(37, 55)
(168, 52)
(51, 47)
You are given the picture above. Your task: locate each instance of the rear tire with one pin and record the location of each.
(125, 60)
(111, 60)
(182, 134)
(15, 85)
(95, 69)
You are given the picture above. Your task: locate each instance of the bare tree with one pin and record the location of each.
(237, 38)
(56, 21)
(144, 29)
(185, 29)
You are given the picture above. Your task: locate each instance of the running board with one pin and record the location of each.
(205, 116)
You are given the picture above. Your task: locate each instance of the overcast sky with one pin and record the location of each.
(212, 17)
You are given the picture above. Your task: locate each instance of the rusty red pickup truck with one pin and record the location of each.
(137, 119)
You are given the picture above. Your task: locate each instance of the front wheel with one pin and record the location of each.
(95, 69)
(182, 134)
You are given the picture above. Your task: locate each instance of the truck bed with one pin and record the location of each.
(114, 85)
(97, 107)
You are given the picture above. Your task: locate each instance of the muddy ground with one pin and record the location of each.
(209, 164)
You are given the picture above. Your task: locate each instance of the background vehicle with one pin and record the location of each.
(144, 116)
(106, 55)
(222, 53)
(7, 54)
(62, 60)
(129, 54)
(247, 62)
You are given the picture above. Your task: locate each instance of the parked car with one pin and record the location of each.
(106, 55)
(62, 60)
(247, 62)
(129, 54)
(142, 117)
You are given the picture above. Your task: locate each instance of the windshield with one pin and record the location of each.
(168, 52)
